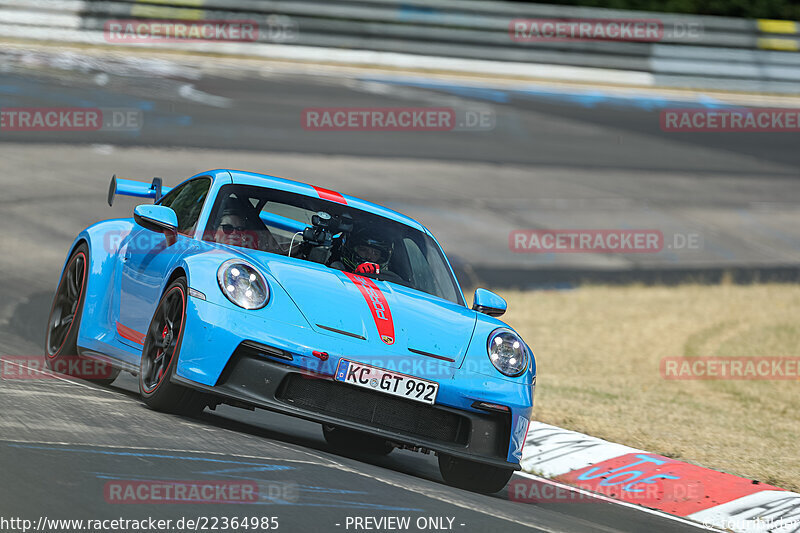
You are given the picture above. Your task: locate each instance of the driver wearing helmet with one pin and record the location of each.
(365, 253)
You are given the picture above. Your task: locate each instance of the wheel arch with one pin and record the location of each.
(178, 272)
(104, 241)
(81, 239)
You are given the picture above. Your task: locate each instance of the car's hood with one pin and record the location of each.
(389, 318)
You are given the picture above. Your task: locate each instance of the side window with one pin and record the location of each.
(187, 202)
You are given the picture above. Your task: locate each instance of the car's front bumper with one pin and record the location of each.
(225, 360)
(254, 381)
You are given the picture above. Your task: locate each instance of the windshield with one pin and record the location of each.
(329, 233)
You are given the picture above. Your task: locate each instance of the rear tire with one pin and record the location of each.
(351, 441)
(162, 345)
(64, 321)
(472, 476)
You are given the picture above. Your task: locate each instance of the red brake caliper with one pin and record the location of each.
(163, 336)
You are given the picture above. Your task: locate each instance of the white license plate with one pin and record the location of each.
(387, 381)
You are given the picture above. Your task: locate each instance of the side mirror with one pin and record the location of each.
(488, 303)
(159, 219)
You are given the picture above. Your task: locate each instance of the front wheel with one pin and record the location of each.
(469, 475)
(162, 345)
(347, 440)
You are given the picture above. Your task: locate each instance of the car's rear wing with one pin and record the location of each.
(154, 190)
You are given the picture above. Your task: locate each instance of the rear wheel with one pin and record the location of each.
(162, 345)
(348, 440)
(469, 475)
(61, 348)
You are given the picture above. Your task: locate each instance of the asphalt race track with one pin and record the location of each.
(62, 441)
(544, 161)
(547, 162)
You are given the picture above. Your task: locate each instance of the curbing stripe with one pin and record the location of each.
(606, 499)
(610, 471)
(551, 451)
(768, 510)
(661, 483)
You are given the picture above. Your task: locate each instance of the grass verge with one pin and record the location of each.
(598, 351)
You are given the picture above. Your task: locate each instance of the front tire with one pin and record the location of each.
(472, 476)
(64, 321)
(160, 357)
(350, 441)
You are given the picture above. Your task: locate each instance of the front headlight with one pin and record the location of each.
(242, 284)
(507, 352)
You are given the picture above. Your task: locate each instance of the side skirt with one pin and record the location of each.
(116, 363)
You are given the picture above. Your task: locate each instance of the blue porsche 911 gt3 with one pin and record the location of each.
(261, 292)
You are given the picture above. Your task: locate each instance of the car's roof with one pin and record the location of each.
(242, 177)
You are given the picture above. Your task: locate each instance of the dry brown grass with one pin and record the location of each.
(598, 351)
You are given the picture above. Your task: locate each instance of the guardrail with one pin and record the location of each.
(460, 35)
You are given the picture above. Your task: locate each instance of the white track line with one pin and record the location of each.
(50, 374)
(321, 461)
(22, 392)
(420, 490)
(161, 450)
(432, 494)
(71, 427)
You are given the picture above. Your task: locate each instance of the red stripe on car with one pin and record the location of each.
(332, 196)
(131, 334)
(378, 305)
